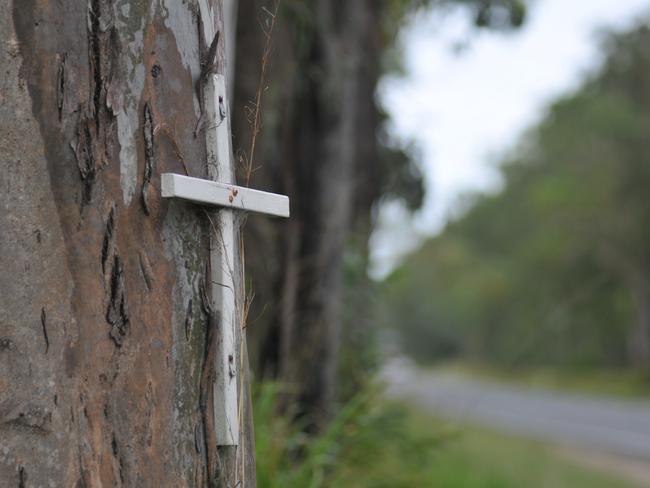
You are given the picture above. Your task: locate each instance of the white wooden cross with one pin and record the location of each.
(221, 191)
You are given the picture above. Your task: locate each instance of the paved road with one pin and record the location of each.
(601, 424)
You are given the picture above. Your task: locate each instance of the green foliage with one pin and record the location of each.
(500, 13)
(478, 458)
(367, 444)
(555, 269)
(376, 444)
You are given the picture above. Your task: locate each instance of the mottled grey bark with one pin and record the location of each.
(105, 345)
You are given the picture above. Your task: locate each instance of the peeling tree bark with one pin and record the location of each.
(103, 346)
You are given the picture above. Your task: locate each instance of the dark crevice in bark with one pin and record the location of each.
(84, 154)
(44, 327)
(93, 146)
(118, 458)
(206, 397)
(148, 132)
(147, 272)
(22, 476)
(199, 438)
(95, 55)
(121, 469)
(108, 237)
(188, 320)
(149, 414)
(60, 86)
(117, 314)
(83, 474)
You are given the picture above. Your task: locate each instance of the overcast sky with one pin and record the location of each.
(468, 95)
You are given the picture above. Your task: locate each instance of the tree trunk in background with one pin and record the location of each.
(104, 343)
(639, 339)
(319, 118)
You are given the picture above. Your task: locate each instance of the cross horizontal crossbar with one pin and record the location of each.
(221, 194)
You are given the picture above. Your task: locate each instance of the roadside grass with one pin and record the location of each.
(607, 382)
(368, 444)
(374, 443)
(480, 458)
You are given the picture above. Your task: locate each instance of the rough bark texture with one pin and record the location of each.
(317, 145)
(104, 340)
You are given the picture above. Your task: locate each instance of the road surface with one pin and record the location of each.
(613, 426)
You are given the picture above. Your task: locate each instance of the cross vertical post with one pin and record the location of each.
(222, 265)
(220, 191)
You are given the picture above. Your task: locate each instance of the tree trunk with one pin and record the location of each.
(105, 344)
(312, 134)
(639, 338)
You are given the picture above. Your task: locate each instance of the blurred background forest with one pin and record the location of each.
(550, 270)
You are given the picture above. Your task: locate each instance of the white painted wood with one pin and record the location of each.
(222, 248)
(221, 191)
(224, 195)
(222, 264)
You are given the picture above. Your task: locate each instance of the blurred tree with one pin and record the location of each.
(322, 144)
(554, 267)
